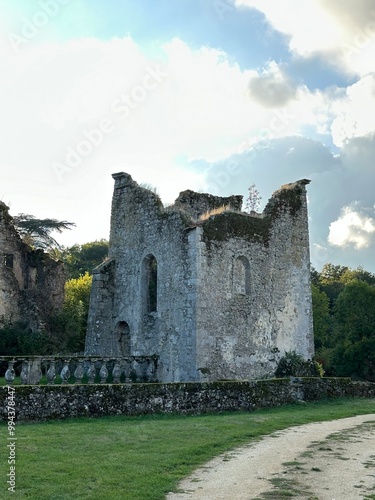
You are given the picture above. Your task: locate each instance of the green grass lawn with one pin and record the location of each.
(140, 458)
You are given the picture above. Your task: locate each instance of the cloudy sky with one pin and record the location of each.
(210, 95)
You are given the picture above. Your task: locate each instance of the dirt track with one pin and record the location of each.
(321, 461)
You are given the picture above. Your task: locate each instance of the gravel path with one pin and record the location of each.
(321, 461)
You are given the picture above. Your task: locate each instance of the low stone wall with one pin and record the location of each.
(65, 401)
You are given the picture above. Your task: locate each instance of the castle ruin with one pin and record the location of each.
(31, 282)
(213, 292)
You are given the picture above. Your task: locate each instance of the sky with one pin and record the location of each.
(209, 95)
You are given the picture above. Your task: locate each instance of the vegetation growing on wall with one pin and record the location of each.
(294, 365)
(231, 224)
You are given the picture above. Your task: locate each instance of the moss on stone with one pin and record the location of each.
(222, 227)
(234, 225)
(286, 200)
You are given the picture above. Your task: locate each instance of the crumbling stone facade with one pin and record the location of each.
(31, 283)
(221, 296)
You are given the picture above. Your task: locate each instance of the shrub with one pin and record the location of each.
(294, 365)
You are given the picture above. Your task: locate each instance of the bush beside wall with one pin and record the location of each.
(66, 401)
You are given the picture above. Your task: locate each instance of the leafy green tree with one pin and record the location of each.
(81, 259)
(70, 326)
(357, 274)
(17, 339)
(354, 331)
(330, 281)
(314, 277)
(321, 317)
(331, 273)
(37, 232)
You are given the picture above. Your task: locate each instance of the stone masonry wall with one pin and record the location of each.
(244, 328)
(231, 292)
(141, 228)
(31, 283)
(60, 402)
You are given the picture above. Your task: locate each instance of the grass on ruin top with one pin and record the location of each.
(141, 458)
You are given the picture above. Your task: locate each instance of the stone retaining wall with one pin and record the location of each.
(66, 401)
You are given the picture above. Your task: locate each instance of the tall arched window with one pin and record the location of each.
(150, 283)
(123, 337)
(241, 276)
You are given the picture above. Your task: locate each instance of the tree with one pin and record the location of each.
(69, 327)
(354, 331)
(321, 316)
(331, 273)
(37, 232)
(81, 259)
(17, 339)
(357, 274)
(253, 199)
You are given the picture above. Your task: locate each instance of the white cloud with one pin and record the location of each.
(352, 228)
(342, 31)
(200, 109)
(272, 88)
(355, 112)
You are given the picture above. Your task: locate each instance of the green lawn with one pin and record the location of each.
(140, 458)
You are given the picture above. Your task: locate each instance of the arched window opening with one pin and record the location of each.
(150, 283)
(123, 337)
(241, 276)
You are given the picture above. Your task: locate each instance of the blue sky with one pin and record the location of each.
(211, 95)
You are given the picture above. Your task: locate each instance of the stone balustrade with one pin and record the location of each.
(34, 370)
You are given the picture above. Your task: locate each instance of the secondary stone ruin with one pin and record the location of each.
(31, 283)
(213, 292)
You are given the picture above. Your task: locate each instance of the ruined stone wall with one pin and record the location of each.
(141, 228)
(197, 204)
(254, 292)
(233, 290)
(31, 283)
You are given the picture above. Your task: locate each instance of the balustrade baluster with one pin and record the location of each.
(10, 374)
(51, 372)
(26, 363)
(65, 372)
(150, 371)
(135, 369)
(35, 373)
(91, 372)
(79, 372)
(116, 372)
(127, 369)
(103, 373)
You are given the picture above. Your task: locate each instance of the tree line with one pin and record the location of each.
(344, 321)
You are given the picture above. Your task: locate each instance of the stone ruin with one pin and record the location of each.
(213, 292)
(31, 282)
